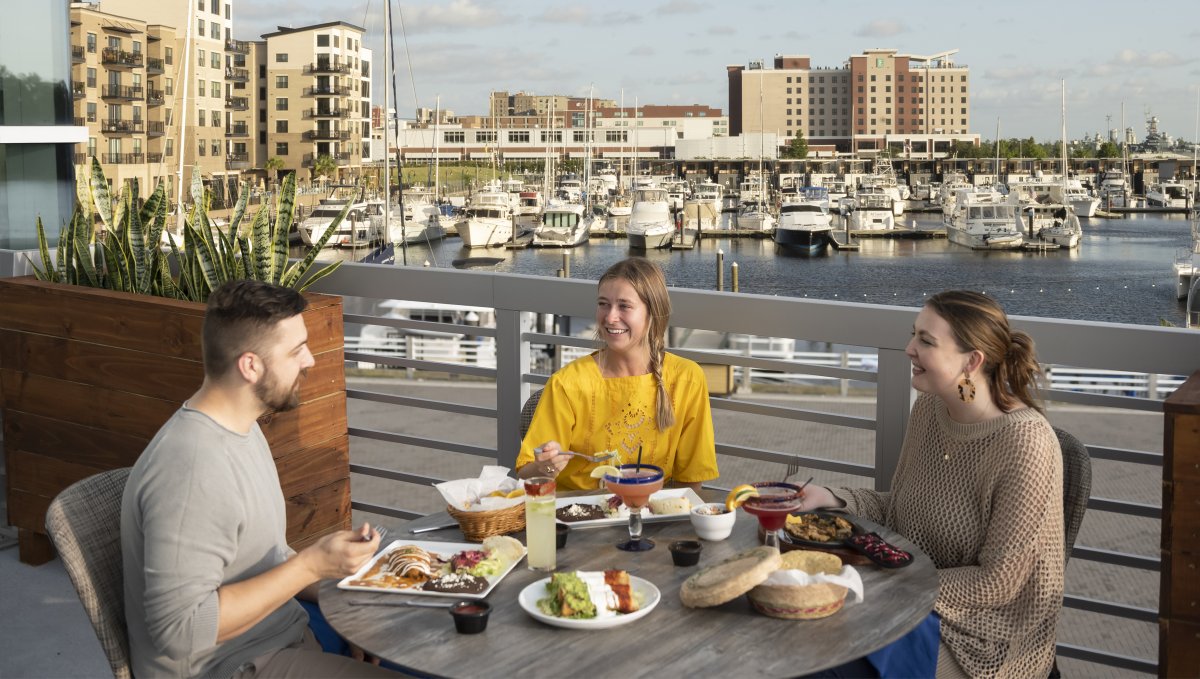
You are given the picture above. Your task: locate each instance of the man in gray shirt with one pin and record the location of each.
(209, 578)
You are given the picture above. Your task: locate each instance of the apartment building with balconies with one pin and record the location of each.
(123, 89)
(875, 100)
(316, 82)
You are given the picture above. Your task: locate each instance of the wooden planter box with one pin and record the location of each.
(88, 376)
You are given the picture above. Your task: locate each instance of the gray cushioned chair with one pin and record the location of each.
(1077, 486)
(528, 409)
(84, 522)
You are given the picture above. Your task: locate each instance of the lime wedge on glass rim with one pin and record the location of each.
(599, 472)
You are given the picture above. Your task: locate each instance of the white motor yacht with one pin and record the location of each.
(562, 226)
(804, 221)
(870, 212)
(1168, 195)
(487, 221)
(1083, 203)
(755, 217)
(983, 219)
(650, 224)
(1114, 189)
(363, 225)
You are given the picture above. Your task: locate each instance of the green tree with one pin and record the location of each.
(273, 165)
(324, 166)
(1109, 149)
(797, 148)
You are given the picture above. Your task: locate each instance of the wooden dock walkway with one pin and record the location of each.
(685, 239)
(842, 240)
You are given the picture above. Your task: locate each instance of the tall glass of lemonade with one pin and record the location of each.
(539, 523)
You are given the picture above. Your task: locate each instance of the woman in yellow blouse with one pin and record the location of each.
(627, 396)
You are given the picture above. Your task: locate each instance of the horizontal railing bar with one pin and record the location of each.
(1124, 455)
(384, 510)
(777, 365)
(422, 442)
(1145, 563)
(793, 413)
(398, 400)
(1126, 611)
(420, 364)
(1125, 662)
(1103, 400)
(1145, 511)
(534, 378)
(562, 340)
(429, 326)
(805, 461)
(392, 474)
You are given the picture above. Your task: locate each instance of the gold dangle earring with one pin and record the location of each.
(966, 389)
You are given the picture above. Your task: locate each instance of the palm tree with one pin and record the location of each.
(273, 165)
(324, 166)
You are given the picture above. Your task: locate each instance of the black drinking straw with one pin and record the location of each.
(638, 470)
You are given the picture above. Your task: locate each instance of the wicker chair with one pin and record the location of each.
(528, 409)
(84, 522)
(1077, 486)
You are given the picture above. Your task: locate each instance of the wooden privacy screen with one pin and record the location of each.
(1179, 600)
(88, 376)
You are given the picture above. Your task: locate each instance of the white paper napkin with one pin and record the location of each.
(848, 578)
(471, 495)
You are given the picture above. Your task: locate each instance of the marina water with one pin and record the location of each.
(1122, 271)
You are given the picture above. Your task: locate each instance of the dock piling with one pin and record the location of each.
(720, 270)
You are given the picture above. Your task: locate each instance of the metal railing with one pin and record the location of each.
(239, 75)
(121, 126)
(155, 97)
(326, 67)
(237, 46)
(1092, 349)
(118, 58)
(121, 92)
(154, 65)
(237, 103)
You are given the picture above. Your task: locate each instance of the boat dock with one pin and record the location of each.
(685, 239)
(841, 240)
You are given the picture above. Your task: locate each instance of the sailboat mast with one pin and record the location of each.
(187, 63)
(1064, 140)
(387, 123)
(587, 150)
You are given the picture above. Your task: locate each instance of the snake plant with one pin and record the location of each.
(128, 255)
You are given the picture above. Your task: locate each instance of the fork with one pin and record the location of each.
(793, 466)
(589, 458)
(382, 531)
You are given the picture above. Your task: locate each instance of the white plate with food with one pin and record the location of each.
(464, 570)
(538, 601)
(675, 502)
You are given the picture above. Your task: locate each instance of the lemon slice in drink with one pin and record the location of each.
(738, 495)
(599, 472)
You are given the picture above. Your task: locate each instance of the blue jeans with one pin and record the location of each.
(332, 642)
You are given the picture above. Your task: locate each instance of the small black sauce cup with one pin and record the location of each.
(686, 552)
(470, 617)
(560, 535)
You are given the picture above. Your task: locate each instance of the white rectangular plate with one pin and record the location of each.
(647, 517)
(443, 549)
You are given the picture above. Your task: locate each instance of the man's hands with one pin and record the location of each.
(340, 554)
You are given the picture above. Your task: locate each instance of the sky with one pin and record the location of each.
(676, 51)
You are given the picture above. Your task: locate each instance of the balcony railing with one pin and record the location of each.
(78, 91)
(326, 67)
(237, 75)
(154, 158)
(120, 58)
(237, 130)
(79, 121)
(77, 54)
(122, 126)
(155, 128)
(237, 103)
(237, 161)
(80, 158)
(327, 113)
(121, 92)
(343, 158)
(123, 158)
(155, 98)
(327, 135)
(154, 65)
(327, 91)
(237, 46)
(881, 331)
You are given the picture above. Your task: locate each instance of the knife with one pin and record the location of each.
(430, 529)
(418, 604)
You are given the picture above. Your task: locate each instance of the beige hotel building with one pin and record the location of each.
(295, 94)
(916, 105)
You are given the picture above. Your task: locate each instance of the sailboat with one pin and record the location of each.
(753, 215)
(1065, 231)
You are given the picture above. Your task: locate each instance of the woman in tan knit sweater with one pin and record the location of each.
(978, 488)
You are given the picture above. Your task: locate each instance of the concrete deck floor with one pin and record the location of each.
(44, 632)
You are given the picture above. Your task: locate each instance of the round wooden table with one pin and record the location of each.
(731, 639)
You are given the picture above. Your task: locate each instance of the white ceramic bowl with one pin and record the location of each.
(714, 527)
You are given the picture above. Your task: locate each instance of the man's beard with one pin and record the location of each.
(275, 399)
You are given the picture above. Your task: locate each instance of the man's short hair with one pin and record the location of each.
(240, 317)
